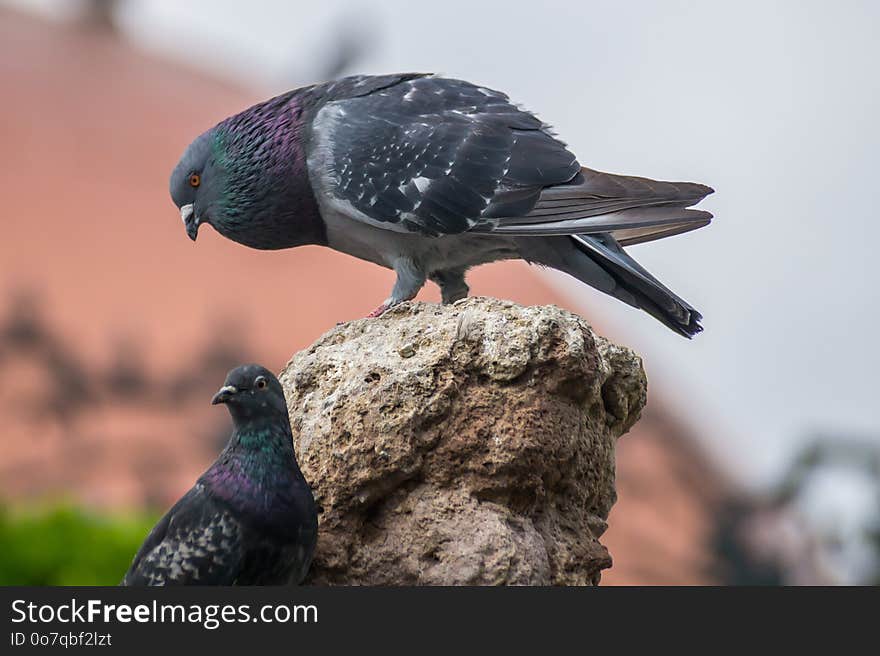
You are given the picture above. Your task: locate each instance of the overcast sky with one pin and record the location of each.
(775, 104)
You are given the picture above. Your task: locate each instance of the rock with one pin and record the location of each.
(464, 444)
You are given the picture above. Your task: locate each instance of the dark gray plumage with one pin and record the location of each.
(251, 518)
(430, 176)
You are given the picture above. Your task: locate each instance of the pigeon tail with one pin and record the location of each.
(635, 285)
(633, 210)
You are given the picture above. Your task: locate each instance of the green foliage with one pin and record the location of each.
(65, 545)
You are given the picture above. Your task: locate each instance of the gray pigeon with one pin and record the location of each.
(251, 518)
(430, 176)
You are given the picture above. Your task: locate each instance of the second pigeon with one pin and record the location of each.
(251, 518)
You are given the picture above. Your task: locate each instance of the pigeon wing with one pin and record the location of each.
(198, 542)
(432, 156)
(439, 156)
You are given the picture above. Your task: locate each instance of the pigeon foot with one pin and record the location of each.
(382, 309)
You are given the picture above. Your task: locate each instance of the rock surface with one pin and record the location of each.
(463, 444)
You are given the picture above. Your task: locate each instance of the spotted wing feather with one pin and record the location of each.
(434, 156)
(198, 542)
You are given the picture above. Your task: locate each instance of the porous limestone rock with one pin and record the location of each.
(464, 444)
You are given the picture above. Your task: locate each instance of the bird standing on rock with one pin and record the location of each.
(430, 176)
(251, 518)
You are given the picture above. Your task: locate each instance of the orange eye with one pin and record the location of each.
(261, 383)
(195, 179)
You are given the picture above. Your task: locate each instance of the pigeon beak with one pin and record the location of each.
(224, 394)
(190, 222)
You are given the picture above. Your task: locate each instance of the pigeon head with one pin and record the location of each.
(252, 392)
(197, 182)
(247, 178)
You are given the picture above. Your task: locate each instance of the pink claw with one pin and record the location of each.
(379, 311)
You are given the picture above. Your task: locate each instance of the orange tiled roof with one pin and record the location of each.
(91, 130)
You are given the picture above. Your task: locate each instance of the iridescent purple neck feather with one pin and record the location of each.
(264, 198)
(257, 473)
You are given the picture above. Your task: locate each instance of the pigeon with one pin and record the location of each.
(251, 518)
(430, 176)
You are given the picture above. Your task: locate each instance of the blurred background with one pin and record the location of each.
(757, 460)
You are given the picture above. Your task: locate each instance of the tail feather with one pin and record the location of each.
(593, 202)
(591, 185)
(648, 222)
(638, 284)
(642, 234)
(580, 227)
